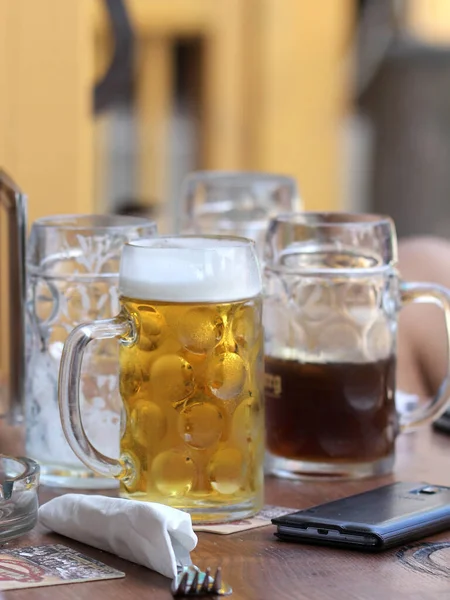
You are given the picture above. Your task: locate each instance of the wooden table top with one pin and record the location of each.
(259, 567)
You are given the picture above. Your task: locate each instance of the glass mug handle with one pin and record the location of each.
(433, 294)
(119, 327)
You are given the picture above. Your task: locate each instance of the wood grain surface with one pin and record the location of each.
(259, 567)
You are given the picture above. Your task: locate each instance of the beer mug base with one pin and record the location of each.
(224, 514)
(64, 476)
(203, 511)
(310, 470)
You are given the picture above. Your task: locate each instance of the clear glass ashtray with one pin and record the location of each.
(19, 482)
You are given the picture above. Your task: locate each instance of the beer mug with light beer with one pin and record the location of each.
(191, 370)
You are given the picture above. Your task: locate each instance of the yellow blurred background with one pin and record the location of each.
(94, 119)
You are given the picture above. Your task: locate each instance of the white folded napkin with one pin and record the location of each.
(149, 534)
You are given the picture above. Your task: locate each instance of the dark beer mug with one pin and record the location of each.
(332, 300)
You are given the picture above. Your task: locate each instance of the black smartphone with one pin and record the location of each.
(375, 520)
(443, 423)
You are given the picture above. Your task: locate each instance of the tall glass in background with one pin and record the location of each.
(73, 272)
(332, 298)
(191, 373)
(235, 203)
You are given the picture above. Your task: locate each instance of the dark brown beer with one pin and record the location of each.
(330, 412)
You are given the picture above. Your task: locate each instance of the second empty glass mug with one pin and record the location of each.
(235, 203)
(73, 272)
(191, 371)
(332, 298)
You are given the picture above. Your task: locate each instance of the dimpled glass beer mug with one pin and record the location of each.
(332, 297)
(235, 203)
(191, 367)
(73, 273)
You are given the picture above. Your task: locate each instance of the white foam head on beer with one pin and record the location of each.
(190, 269)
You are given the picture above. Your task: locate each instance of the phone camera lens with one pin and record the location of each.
(429, 489)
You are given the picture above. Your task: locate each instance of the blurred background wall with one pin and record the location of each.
(402, 112)
(105, 105)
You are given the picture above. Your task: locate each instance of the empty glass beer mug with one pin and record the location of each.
(73, 273)
(332, 297)
(235, 203)
(191, 367)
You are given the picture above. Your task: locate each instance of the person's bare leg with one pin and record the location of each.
(422, 349)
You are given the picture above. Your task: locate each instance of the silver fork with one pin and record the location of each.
(190, 581)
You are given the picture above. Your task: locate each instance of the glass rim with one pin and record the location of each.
(29, 466)
(238, 177)
(164, 242)
(340, 219)
(325, 272)
(80, 222)
(230, 224)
